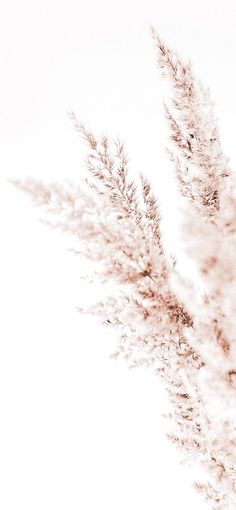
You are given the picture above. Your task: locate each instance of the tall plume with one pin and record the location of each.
(116, 224)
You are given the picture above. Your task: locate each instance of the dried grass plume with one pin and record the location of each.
(116, 221)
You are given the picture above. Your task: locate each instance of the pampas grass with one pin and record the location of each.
(188, 341)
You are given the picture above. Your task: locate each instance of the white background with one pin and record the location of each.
(78, 430)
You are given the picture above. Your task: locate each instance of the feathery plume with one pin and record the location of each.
(116, 223)
(201, 167)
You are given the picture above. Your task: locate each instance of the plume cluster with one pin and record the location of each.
(188, 340)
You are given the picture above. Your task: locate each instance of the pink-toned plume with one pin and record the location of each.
(187, 340)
